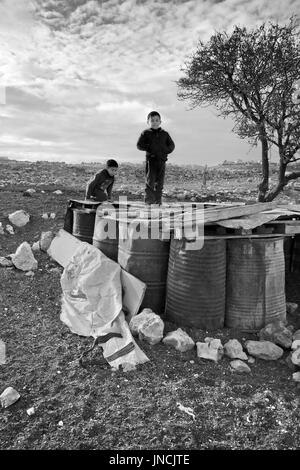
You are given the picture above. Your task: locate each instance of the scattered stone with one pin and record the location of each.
(240, 366)
(180, 340)
(29, 273)
(138, 320)
(36, 246)
(10, 229)
(296, 376)
(251, 360)
(234, 350)
(45, 216)
(212, 350)
(296, 335)
(291, 307)
(5, 263)
(296, 357)
(45, 240)
(52, 215)
(264, 350)
(19, 218)
(1, 229)
(2, 352)
(30, 411)
(23, 258)
(277, 333)
(152, 330)
(58, 191)
(295, 344)
(9, 397)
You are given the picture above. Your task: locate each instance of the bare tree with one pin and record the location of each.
(252, 76)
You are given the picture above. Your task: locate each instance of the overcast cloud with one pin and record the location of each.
(79, 77)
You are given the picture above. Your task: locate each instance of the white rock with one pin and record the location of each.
(291, 307)
(30, 191)
(240, 366)
(180, 340)
(234, 350)
(30, 411)
(45, 240)
(296, 376)
(264, 350)
(43, 192)
(152, 329)
(296, 357)
(295, 344)
(1, 229)
(58, 191)
(8, 397)
(4, 262)
(212, 350)
(52, 215)
(60, 423)
(138, 320)
(45, 216)
(23, 258)
(36, 246)
(10, 229)
(2, 352)
(29, 273)
(19, 218)
(251, 360)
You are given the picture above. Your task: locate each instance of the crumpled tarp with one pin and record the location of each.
(92, 304)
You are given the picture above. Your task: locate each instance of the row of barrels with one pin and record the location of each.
(236, 283)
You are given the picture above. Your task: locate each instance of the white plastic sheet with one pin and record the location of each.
(92, 304)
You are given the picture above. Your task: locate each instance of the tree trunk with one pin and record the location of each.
(264, 185)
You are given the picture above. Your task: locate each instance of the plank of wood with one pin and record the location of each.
(291, 227)
(248, 223)
(214, 215)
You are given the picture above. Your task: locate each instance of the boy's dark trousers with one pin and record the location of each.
(155, 173)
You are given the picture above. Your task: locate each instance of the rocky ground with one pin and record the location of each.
(92, 407)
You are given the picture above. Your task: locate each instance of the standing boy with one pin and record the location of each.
(100, 185)
(158, 144)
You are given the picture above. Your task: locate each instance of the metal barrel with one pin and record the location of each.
(255, 293)
(83, 224)
(146, 259)
(196, 284)
(106, 236)
(79, 204)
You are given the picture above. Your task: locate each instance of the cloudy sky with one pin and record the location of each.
(78, 77)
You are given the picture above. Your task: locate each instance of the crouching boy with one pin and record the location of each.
(99, 187)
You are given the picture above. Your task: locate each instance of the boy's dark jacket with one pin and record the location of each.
(101, 180)
(157, 143)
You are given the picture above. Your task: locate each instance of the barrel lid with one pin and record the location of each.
(84, 210)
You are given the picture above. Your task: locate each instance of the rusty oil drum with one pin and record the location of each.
(196, 284)
(255, 293)
(83, 224)
(77, 204)
(146, 259)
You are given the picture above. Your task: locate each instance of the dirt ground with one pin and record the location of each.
(92, 407)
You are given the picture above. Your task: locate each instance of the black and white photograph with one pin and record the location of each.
(150, 228)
